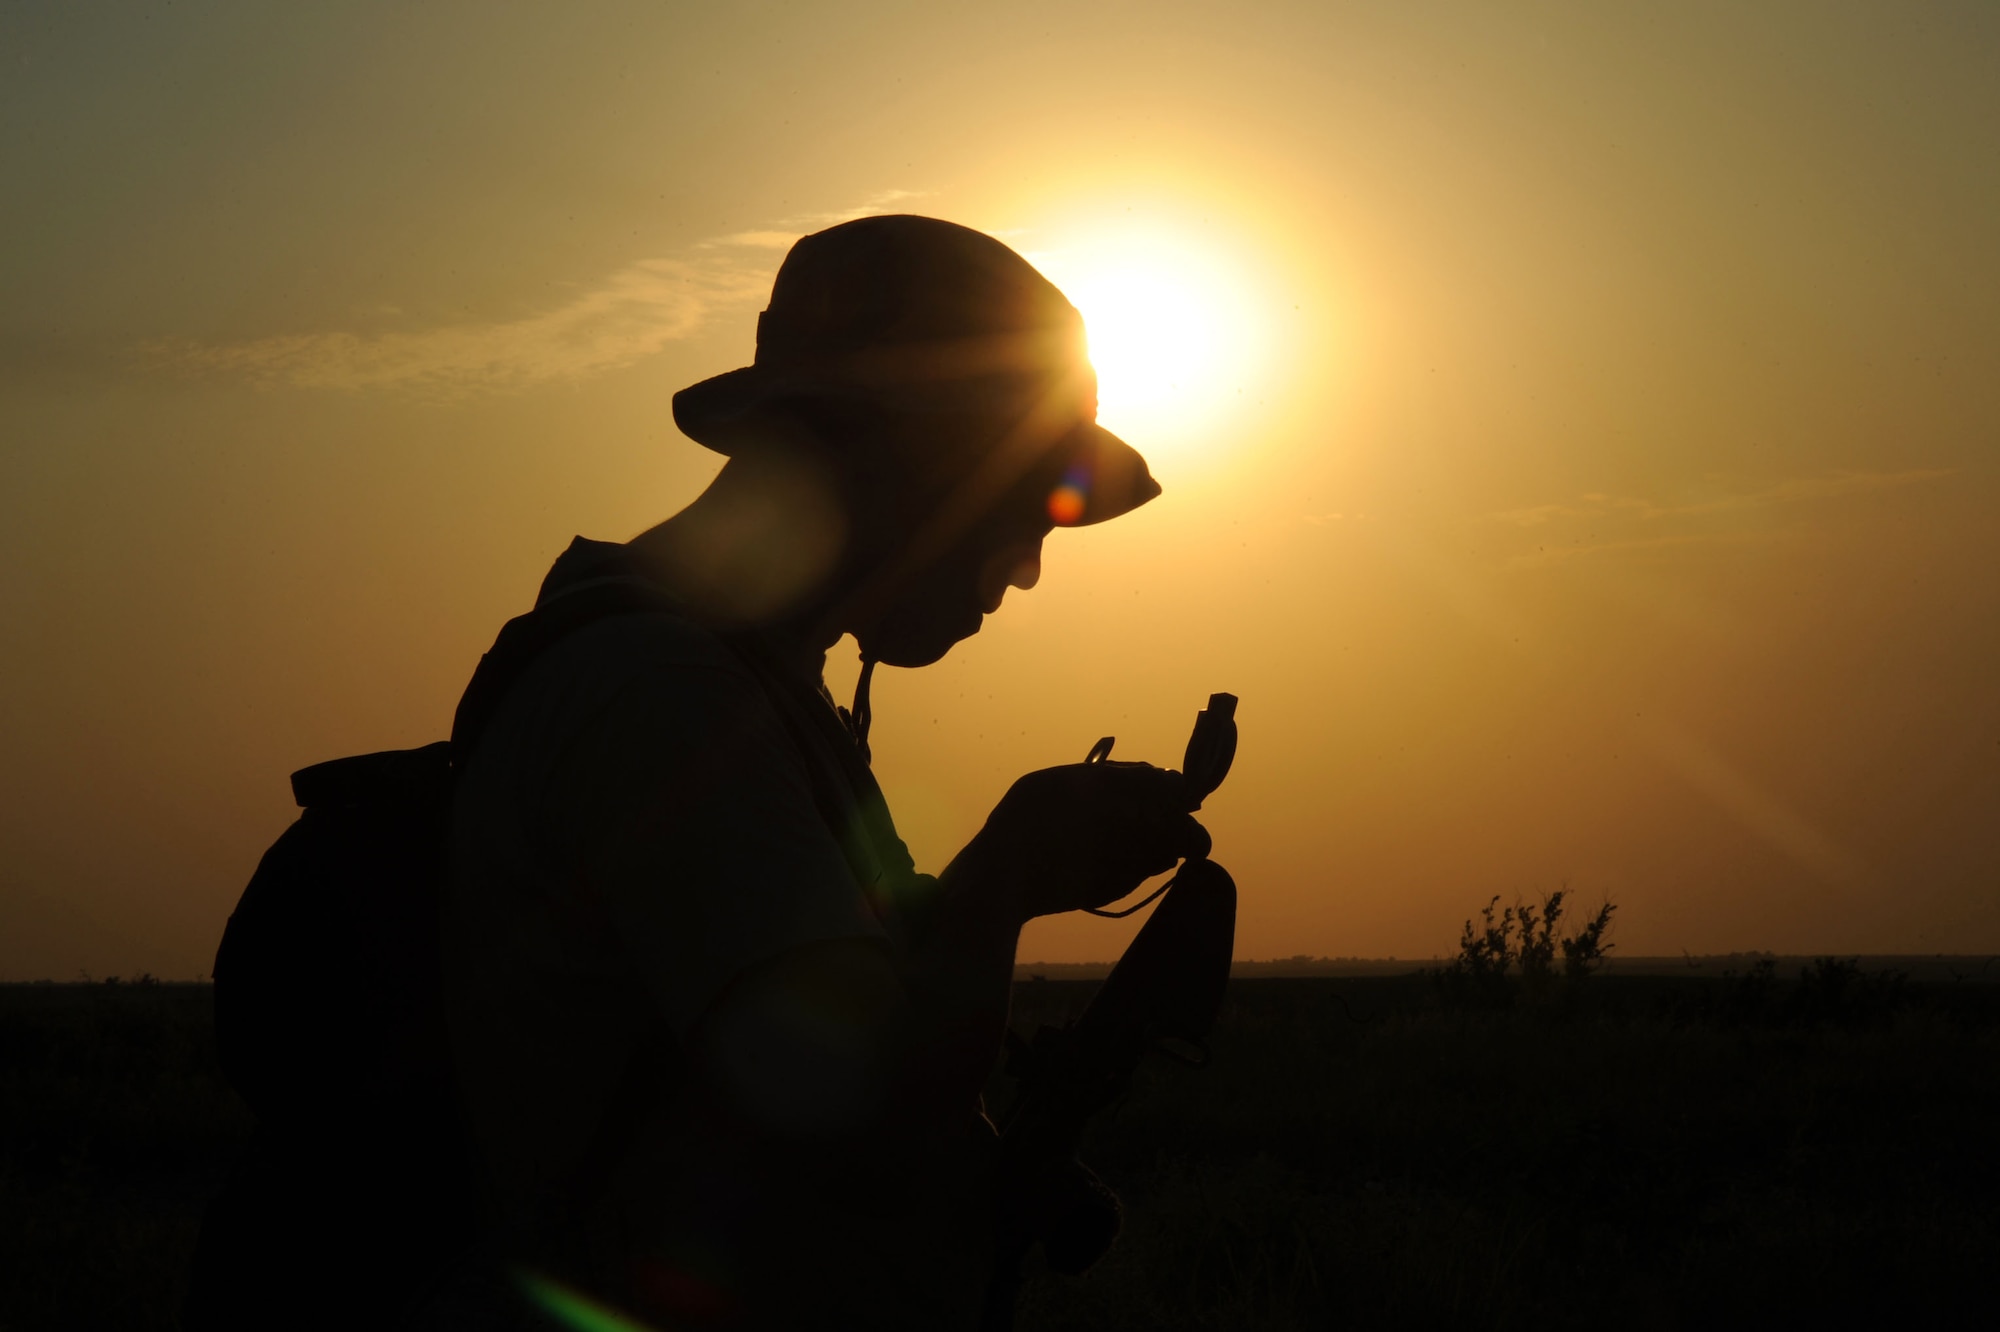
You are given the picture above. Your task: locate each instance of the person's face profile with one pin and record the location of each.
(948, 601)
(944, 601)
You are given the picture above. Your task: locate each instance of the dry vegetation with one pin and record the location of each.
(1651, 1152)
(1367, 1152)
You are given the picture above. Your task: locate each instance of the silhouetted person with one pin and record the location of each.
(719, 1045)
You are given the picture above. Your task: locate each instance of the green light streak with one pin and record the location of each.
(574, 1308)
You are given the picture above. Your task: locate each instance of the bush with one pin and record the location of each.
(1515, 954)
(1836, 991)
(1828, 992)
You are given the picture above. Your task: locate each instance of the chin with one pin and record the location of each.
(907, 645)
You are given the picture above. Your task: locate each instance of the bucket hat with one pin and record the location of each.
(917, 315)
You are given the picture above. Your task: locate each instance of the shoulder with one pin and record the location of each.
(603, 620)
(652, 691)
(648, 689)
(635, 689)
(640, 644)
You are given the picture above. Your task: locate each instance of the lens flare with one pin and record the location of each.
(1066, 502)
(572, 1308)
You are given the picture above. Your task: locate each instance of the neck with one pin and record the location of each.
(759, 549)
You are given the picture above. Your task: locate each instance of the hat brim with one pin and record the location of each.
(716, 412)
(1103, 477)
(1089, 475)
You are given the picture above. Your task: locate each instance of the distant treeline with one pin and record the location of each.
(1927, 968)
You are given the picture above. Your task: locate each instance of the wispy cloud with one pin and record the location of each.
(629, 315)
(1597, 506)
(1595, 523)
(780, 235)
(756, 240)
(1570, 550)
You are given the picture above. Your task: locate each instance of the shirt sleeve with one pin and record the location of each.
(686, 808)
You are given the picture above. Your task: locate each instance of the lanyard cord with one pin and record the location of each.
(862, 714)
(1099, 752)
(1148, 898)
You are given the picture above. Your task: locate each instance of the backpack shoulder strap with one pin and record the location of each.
(526, 637)
(850, 801)
(844, 788)
(408, 778)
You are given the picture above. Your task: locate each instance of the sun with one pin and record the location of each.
(1174, 335)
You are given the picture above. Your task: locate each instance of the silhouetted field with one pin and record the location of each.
(115, 1126)
(1642, 1151)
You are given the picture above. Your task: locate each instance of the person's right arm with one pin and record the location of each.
(845, 1054)
(688, 812)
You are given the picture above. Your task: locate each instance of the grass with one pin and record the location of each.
(1362, 1152)
(115, 1127)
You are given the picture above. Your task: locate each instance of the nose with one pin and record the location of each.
(1018, 565)
(1027, 570)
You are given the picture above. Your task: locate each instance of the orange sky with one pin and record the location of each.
(1593, 484)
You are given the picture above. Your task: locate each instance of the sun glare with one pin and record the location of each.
(1174, 335)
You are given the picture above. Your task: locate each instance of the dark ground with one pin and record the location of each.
(1644, 1151)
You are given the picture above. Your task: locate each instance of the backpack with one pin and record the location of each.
(359, 1190)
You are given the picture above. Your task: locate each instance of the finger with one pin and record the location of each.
(1175, 792)
(1145, 787)
(1164, 843)
(1195, 843)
